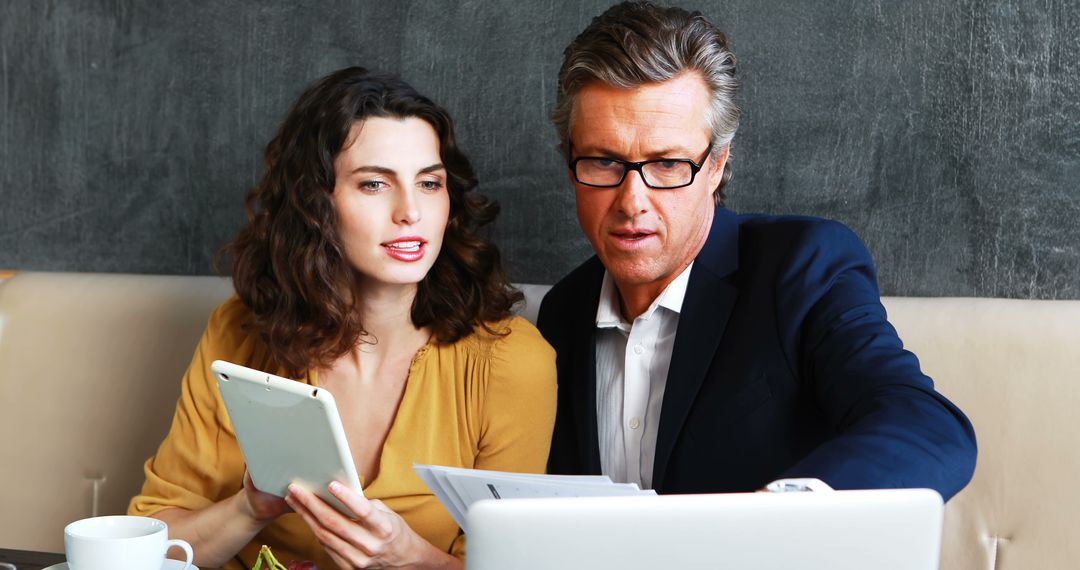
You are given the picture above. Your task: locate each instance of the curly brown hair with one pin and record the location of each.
(288, 262)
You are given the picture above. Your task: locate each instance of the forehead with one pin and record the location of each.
(385, 141)
(654, 117)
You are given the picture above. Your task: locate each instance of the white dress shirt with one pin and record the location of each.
(632, 362)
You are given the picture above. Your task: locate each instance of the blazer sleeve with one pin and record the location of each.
(893, 428)
(560, 312)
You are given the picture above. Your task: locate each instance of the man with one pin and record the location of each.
(705, 351)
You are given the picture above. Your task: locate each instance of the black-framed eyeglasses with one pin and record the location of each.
(660, 173)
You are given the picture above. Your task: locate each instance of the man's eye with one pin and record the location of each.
(605, 163)
(668, 164)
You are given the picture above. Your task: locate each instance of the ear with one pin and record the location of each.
(717, 171)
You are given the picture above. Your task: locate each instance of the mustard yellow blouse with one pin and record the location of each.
(484, 402)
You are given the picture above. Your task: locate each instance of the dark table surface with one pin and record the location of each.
(28, 560)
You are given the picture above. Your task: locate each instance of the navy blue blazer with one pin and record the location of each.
(784, 365)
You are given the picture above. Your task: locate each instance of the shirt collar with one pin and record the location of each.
(609, 315)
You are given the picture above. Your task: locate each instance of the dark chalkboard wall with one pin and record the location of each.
(947, 134)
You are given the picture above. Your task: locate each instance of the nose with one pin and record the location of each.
(633, 197)
(407, 207)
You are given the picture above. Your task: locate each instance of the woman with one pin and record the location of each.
(360, 271)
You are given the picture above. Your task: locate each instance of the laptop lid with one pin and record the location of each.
(884, 530)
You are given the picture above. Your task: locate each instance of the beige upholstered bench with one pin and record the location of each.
(90, 366)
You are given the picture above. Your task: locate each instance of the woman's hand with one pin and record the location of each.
(259, 506)
(219, 531)
(377, 538)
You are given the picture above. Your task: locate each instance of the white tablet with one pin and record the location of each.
(289, 432)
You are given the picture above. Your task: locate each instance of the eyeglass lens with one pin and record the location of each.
(660, 174)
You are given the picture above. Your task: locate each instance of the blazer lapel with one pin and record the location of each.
(585, 403)
(710, 297)
(584, 371)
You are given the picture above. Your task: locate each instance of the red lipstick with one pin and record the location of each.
(405, 248)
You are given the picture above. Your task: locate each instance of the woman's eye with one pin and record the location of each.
(372, 185)
(431, 185)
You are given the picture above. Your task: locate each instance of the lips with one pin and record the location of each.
(407, 248)
(631, 238)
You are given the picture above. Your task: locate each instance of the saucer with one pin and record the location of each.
(169, 564)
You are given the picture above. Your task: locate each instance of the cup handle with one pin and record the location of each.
(185, 546)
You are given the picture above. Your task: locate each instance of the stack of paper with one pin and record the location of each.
(459, 488)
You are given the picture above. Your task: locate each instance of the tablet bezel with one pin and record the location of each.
(288, 431)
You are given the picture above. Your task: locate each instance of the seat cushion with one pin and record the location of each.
(90, 368)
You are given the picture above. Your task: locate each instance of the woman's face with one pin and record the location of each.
(391, 199)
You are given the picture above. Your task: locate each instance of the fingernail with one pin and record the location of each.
(335, 486)
(294, 488)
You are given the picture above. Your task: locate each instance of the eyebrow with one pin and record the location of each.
(391, 172)
(670, 152)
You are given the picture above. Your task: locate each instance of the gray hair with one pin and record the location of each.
(633, 43)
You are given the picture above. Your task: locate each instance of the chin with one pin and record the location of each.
(408, 279)
(632, 273)
(401, 278)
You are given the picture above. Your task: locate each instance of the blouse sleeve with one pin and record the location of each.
(199, 462)
(518, 409)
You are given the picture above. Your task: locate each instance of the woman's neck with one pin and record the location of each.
(386, 313)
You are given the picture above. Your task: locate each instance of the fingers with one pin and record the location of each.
(252, 490)
(379, 505)
(261, 507)
(249, 485)
(343, 554)
(372, 514)
(300, 500)
(354, 542)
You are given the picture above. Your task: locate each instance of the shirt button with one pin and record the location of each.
(634, 423)
(638, 349)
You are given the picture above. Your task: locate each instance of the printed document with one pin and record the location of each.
(459, 488)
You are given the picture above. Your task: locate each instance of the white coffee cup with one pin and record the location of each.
(119, 543)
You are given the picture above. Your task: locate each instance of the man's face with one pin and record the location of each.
(644, 236)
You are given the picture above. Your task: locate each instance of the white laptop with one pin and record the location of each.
(832, 530)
